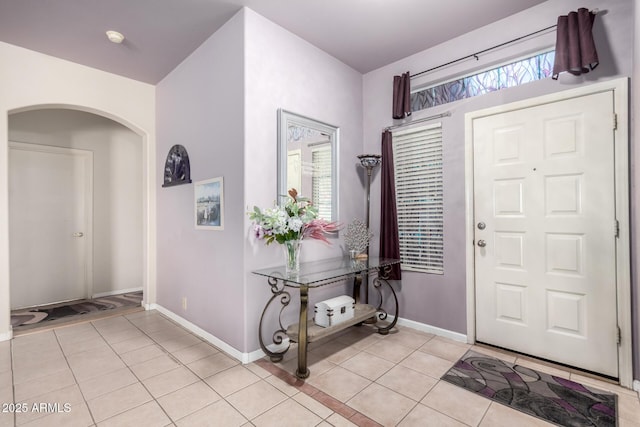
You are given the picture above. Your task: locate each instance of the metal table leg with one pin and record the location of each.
(302, 371)
(278, 337)
(378, 281)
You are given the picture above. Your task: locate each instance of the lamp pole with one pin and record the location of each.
(369, 162)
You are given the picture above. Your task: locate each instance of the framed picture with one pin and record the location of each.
(209, 204)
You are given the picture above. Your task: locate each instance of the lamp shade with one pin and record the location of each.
(370, 160)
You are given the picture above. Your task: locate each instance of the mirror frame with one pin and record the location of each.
(287, 118)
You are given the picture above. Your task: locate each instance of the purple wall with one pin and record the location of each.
(284, 71)
(441, 300)
(221, 104)
(201, 106)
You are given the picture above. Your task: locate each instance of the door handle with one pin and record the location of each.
(482, 243)
(78, 234)
(482, 226)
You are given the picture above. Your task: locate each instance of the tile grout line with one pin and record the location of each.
(190, 370)
(133, 373)
(165, 351)
(140, 381)
(203, 380)
(13, 381)
(126, 365)
(398, 363)
(42, 377)
(262, 363)
(73, 373)
(53, 330)
(484, 415)
(311, 391)
(356, 413)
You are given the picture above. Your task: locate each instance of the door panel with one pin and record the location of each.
(544, 187)
(47, 191)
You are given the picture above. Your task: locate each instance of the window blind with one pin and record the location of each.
(417, 155)
(321, 180)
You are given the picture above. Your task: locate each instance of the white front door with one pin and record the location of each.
(545, 231)
(48, 197)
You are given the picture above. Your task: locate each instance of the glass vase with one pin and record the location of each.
(292, 255)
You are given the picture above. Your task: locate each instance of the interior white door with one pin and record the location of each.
(545, 232)
(47, 209)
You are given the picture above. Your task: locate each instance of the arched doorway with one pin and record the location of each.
(111, 197)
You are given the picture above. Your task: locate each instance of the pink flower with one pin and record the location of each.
(259, 232)
(318, 228)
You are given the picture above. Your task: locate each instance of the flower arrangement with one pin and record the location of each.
(296, 220)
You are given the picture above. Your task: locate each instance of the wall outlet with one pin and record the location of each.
(184, 303)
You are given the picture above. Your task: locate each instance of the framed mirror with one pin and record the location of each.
(307, 161)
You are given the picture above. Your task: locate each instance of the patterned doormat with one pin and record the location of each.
(30, 316)
(553, 399)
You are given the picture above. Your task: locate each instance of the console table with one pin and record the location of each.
(313, 275)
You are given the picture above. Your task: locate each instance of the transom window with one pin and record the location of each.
(509, 75)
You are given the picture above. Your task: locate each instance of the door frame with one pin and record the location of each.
(87, 157)
(620, 88)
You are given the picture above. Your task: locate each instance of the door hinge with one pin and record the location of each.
(619, 337)
(615, 121)
(617, 228)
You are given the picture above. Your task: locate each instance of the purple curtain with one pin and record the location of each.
(389, 236)
(575, 48)
(401, 96)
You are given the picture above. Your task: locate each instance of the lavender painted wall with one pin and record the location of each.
(284, 71)
(201, 106)
(221, 104)
(440, 300)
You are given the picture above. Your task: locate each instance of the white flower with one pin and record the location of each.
(295, 224)
(285, 222)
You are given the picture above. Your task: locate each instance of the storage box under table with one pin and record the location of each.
(334, 311)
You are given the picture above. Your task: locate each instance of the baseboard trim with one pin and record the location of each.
(231, 351)
(636, 386)
(254, 355)
(118, 292)
(423, 327)
(6, 336)
(246, 358)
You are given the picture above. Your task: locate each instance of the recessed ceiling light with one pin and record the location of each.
(115, 36)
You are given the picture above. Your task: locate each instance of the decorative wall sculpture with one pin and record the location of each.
(177, 170)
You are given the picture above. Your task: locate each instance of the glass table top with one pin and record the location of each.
(318, 273)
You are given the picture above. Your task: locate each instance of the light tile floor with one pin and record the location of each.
(141, 369)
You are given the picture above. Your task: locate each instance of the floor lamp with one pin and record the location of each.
(369, 162)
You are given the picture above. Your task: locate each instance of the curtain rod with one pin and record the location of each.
(424, 119)
(475, 55)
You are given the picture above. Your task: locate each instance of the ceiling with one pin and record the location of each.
(365, 34)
